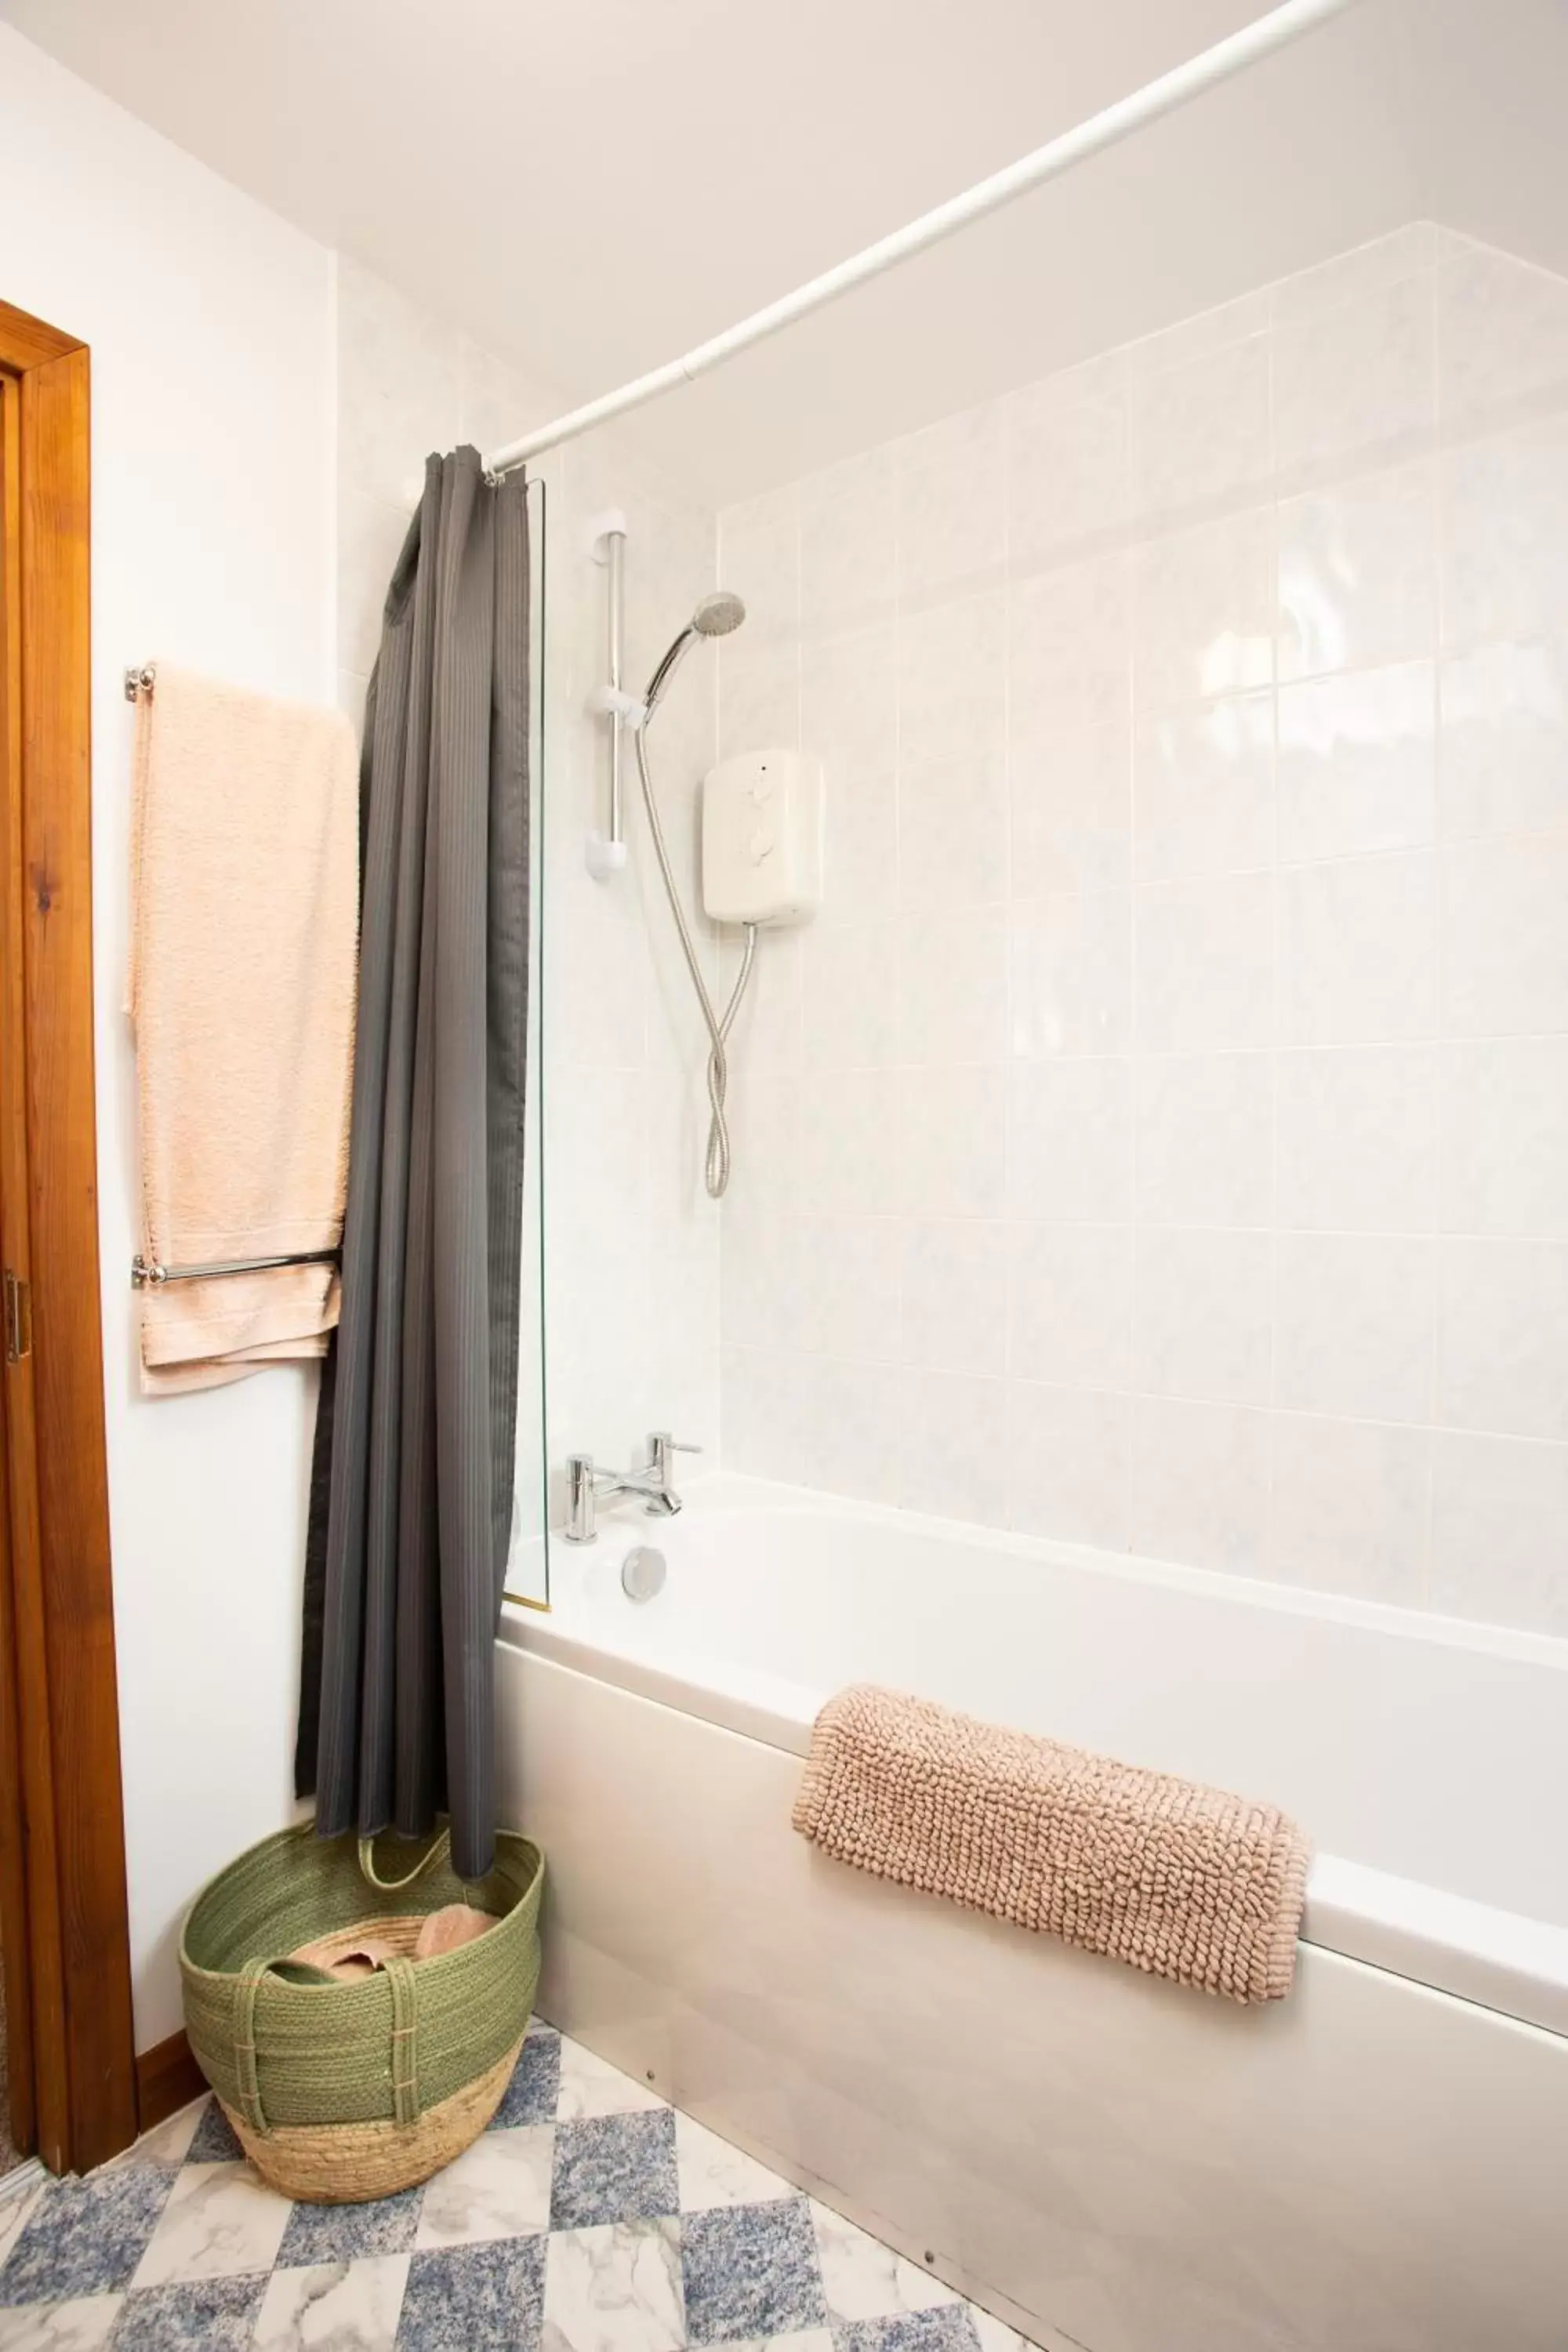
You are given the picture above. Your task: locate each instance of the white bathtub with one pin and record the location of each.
(1376, 2165)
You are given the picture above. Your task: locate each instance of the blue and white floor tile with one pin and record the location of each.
(591, 2217)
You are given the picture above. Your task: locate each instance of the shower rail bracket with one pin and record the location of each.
(614, 702)
(601, 528)
(604, 857)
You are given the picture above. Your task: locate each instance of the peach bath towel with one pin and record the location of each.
(1173, 1878)
(244, 940)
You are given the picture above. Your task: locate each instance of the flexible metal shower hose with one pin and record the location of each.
(716, 1169)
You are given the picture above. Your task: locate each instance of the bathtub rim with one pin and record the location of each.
(1473, 1951)
(720, 1493)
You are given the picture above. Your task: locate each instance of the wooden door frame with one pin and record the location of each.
(62, 1832)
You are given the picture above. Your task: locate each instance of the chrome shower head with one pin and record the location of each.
(715, 617)
(717, 614)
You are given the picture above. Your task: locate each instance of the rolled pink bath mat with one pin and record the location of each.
(1175, 1878)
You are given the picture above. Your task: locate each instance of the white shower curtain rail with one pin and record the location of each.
(1231, 56)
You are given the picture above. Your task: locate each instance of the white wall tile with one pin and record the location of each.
(1499, 1531)
(848, 704)
(860, 848)
(854, 1428)
(1205, 1138)
(1070, 1302)
(950, 1141)
(761, 1299)
(352, 691)
(759, 560)
(848, 1271)
(954, 1292)
(1195, 731)
(1070, 805)
(1351, 1507)
(1202, 787)
(952, 986)
(683, 1375)
(371, 531)
(496, 401)
(1107, 371)
(596, 974)
(1503, 1338)
(767, 1401)
(1505, 939)
(765, 1121)
(1071, 986)
(1205, 964)
(1203, 610)
(1069, 648)
(849, 995)
(1357, 574)
(953, 831)
(1505, 534)
(848, 1149)
(1358, 951)
(1503, 724)
(953, 680)
(1357, 1138)
(1200, 1483)
(1069, 1459)
(1215, 329)
(953, 1431)
(1358, 765)
(397, 388)
(951, 514)
(1505, 1136)
(847, 548)
(767, 1035)
(1202, 1313)
(1353, 277)
(1201, 435)
(759, 704)
(1069, 472)
(1355, 1322)
(1502, 336)
(1356, 382)
(1069, 1138)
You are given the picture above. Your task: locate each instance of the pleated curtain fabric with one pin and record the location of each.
(412, 1484)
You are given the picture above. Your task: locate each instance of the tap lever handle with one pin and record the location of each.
(660, 1442)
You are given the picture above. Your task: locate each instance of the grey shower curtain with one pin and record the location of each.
(412, 1485)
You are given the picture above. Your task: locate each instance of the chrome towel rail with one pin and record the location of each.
(148, 1274)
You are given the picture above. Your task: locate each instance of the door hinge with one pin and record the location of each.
(18, 1318)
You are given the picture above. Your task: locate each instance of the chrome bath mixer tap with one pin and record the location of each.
(587, 1488)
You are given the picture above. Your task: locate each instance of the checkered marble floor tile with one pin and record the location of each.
(591, 2217)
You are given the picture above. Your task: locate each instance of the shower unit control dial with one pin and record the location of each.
(761, 838)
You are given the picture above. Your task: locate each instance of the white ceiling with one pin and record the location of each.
(592, 185)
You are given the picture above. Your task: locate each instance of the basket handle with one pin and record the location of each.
(403, 1978)
(248, 1986)
(437, 1851)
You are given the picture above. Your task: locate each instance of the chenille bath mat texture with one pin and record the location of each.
(1173, 1878)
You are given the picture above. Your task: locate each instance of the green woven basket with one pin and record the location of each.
(343, 2092)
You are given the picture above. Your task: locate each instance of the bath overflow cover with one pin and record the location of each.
(642, 1572)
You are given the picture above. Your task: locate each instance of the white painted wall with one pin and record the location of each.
(210, 327)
